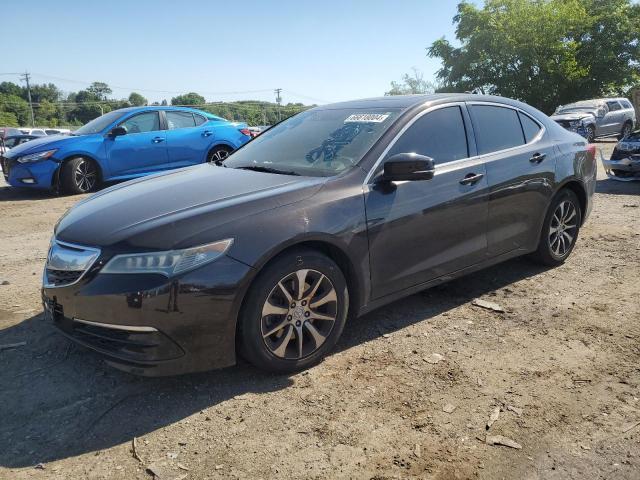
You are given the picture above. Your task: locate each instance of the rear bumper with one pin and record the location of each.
(29, 175)
(153, 326)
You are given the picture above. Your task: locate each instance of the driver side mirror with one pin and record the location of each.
(407, 167)
(118, 131)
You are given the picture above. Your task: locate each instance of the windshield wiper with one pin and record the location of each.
(259, 168)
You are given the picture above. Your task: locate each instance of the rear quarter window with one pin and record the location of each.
(496, 128)
(530, 127)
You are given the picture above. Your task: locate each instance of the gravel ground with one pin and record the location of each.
(559, 366)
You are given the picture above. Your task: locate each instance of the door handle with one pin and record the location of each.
(538, 157)
(157, 139)
(471, 178)
(207, 133)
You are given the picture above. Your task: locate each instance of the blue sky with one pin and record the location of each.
(320, 51)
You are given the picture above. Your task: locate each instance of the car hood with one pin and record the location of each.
(41, 144)
(172, 210)
(572, 116)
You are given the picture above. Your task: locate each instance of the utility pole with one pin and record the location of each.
(26, 76)
(278, 100)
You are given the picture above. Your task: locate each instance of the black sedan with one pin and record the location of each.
(624, 164)
(325, 216)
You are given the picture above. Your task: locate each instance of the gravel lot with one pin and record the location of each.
(561, 366)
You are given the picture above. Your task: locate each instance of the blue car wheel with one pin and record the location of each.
(218, 154)
(79, 175)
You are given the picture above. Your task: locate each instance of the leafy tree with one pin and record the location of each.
(45, 92)
(411, 83)
(8, 119)
(137, 100)
(190, 98)
(100, 90)
(17, 106)
(544, 52)
(10, 88)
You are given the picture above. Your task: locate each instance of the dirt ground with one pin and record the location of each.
(561, 365)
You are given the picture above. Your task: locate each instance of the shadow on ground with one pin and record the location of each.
(59, 400)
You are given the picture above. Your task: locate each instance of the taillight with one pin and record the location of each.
(245, 131)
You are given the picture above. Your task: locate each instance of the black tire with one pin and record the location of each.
(79, 175)
(591, 133)
(551, 252)
(260, 347)
(218, 154)
(627, 129)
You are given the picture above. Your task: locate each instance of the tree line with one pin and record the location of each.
(53, 108)
(543, 52)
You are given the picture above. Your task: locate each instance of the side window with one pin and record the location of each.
(529, 127)
(439, 134)
(177, 120)
(143, 122)
(199, 119)
(626, 104)
(613, 106)
(496, 128)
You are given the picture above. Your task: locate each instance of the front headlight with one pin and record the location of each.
(168, 263)
(34, 157)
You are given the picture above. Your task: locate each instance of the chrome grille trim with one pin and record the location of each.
(69, 258)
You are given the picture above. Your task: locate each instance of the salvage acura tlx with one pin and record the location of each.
(325, 216)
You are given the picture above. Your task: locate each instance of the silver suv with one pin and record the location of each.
(598, 118)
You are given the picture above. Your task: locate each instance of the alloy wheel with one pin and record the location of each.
(299, 314)
(218, 156)
(85, 176)
(563, 228)
(626, 130)
(591, 134)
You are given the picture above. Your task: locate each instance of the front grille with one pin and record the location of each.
(67, 263)
(564, 123)
(58, 278)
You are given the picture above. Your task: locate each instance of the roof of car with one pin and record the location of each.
(159, 107)
(408, 101)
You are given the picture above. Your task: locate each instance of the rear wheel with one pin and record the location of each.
(591, 133)
(295, 312)
(218, 154)
(626, 130)
(79, 175)
(560, 229)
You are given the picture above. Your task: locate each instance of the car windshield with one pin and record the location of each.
(321, 142)
(97, 125)
(579, 107)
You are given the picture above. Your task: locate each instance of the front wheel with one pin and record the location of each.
(591, 133)
(560, 229)
(295, 312)
(79, 175)
(218, 154)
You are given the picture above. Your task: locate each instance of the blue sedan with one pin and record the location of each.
(120, 145)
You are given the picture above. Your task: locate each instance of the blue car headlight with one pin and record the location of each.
(167, 263)
(34, 157)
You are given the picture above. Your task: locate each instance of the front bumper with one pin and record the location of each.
(30, 175)
(624, 169)
(149, 325)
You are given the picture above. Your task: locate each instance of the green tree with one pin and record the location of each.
(190, 98)
(10, 88)
(543, 52)
(8, 119)
(411, 84)
(100, 90)
(137, 100)
(17, 106)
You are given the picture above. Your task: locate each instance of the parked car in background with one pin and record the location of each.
(258, 129)
(57, 131)
(33, 131)
(9, 132)
(13, 141)
(624, 163)
(598, 118)
(333, 212)
(120, 145)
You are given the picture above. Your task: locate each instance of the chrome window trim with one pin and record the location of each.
(128, 328)
(76, 247)
(473, 160)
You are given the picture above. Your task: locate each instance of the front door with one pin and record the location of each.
(421, 230)
(143, 149)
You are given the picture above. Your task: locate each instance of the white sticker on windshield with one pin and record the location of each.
(367, 118)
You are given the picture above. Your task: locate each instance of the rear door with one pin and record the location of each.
(143, 149)
(421, 230)
(188, 137)
(614, 119)
(520, 165)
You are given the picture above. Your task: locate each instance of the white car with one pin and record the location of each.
(33, 131)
